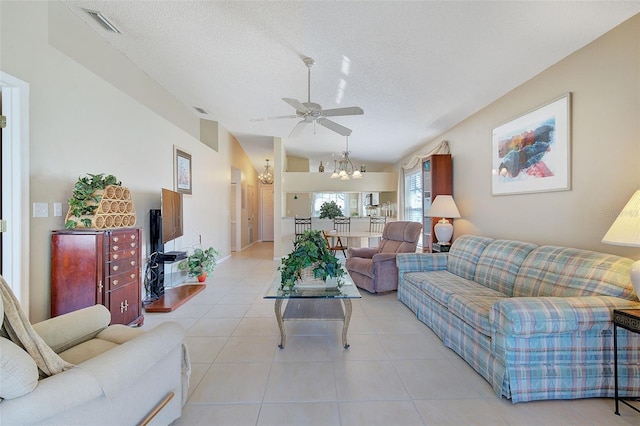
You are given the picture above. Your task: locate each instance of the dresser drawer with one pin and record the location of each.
(122, 279)
(121, 266)
(123, 240)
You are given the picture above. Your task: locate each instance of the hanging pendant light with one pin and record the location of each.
(344, 168)
(266, 177)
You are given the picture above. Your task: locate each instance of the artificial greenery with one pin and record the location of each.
(309, 249)
(200, 261)
(329, 209)
(85, 200)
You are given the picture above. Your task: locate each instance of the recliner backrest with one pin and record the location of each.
(400, 237)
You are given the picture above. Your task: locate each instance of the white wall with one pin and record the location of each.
(604, 79)
(80, 123)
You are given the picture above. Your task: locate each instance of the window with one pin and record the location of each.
(413, 198)
(321, 197)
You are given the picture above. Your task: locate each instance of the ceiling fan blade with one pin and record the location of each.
(273, 118)
(298, 129)
(342, 111)
(332, 125)
(297, 105)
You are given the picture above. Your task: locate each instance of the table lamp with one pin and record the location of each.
(443, 206)
(625, 231)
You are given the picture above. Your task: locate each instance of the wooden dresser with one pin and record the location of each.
(90, 267)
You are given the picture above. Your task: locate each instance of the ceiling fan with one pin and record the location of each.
(311, 112)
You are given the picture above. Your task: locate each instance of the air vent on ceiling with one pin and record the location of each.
(200, 110)
(103, 21)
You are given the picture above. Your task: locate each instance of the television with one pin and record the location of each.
(171, 212)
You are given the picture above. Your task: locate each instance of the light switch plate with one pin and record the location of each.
(40, 209)
(57, 209)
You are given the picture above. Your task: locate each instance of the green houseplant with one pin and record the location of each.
(86, 196)
(329, 209)
(310, 250)
(200, 263)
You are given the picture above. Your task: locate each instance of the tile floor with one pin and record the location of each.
(396, 372)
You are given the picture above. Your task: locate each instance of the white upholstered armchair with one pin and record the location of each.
(109, 374)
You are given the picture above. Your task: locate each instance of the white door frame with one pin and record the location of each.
(15, 190)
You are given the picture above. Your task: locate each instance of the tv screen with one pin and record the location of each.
(171, 206)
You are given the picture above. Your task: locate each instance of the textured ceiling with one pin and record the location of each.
(416, 68)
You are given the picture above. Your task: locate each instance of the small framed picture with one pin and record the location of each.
(182, 171)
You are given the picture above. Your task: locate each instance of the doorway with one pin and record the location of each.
(266, 214)
(14, 186)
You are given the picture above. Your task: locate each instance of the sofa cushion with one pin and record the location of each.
(561, 271)
(464, 254)
(18, 371)
(441, 285)
(87, 350)
(499, 264)
(474, 309)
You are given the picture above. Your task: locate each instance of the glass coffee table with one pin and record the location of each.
(314, 303)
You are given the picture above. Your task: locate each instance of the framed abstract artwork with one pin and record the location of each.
(532, 153)
(182, 171)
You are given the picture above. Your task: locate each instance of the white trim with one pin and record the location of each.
(15, 194)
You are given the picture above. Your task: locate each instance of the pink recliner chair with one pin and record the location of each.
(374, 268)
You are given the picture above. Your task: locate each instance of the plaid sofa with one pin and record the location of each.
(534, 321)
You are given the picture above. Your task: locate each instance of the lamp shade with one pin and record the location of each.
(625, 231)
(443, 206)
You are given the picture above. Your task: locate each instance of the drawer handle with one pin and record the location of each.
(133, 236)
(124, 306)
(133, 263)
(115, 239)
(133, 252)
(132, 276)
(116, 256)
(133, 245)
(115, 282)
(115, 268)
(115, 248)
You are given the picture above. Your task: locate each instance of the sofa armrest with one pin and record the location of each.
(528, 316)
(117, 368)
(68, 330)
(420, 262)
(364, 252)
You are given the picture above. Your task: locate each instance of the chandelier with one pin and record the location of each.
(266, 177)
(344, 168)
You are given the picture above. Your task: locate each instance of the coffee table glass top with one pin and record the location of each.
(348, 290)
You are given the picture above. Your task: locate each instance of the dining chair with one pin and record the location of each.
(376, 223)
(302, 224)
(342, 224)
(334, 243)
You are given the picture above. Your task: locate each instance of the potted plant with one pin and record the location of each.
(86, 197)
(329, 209)
(310, 254)
(200, 263)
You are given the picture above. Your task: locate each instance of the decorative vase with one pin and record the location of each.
(202, 277)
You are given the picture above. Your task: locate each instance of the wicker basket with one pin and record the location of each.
(115, 210)
(308, 280)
